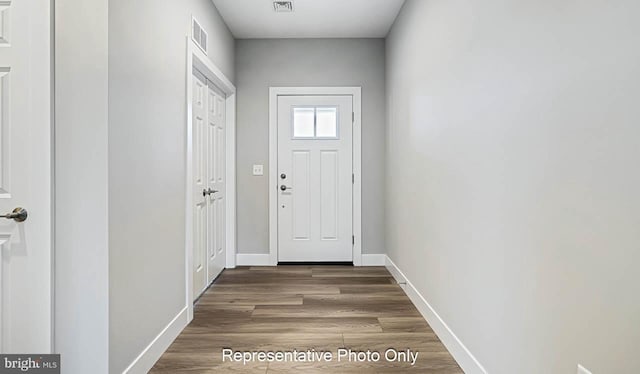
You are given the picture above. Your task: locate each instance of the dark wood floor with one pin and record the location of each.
(305, 307)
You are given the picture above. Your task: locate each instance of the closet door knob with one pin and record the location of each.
(18, 215)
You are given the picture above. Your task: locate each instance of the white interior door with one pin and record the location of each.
(315, 196)
(25, 177)
(208, 111)
(200, 201)
(216, 184)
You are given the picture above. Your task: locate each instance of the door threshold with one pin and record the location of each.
(316, 263)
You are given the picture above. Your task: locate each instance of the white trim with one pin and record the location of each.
(4, 238)
(357, 171)
(215, 75)
(274, 92)
(251, 259)
(148, 357)
(230, 192)
(374, 259)
(458, 350)
(273, 176)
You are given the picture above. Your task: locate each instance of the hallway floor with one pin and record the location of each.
(305, 307)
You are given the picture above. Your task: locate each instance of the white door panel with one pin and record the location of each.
(315, 157)
(216, 150)
(301, 201)
(199, 113)
(208, 111)
(329, 195)
(25, 176)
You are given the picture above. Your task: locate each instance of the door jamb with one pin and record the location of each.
(274, 92)
(195, 56)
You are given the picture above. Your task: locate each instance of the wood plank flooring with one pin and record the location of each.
(305, 307)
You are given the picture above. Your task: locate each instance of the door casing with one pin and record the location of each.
(356, 93)
(196, 57)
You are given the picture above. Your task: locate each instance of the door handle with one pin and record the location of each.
(208, 192)
(18, 215)
(284, 188)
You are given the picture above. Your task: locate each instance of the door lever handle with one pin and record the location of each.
(208, 192)
(284, 188)
(18, 215)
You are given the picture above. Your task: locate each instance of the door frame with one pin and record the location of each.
(195, 56)
(356, 93)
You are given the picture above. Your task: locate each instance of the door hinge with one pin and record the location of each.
(353, 179)
(353, 117)
(353, 239)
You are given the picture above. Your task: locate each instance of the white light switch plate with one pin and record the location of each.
(258, 170)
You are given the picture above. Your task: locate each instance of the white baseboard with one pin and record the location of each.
(373, 259)
(145, 360)
(251, 259)
(458, 350)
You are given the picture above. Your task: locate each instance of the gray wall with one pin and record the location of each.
(81, 231)
(147, 139)
(513, 139)
(306, 62)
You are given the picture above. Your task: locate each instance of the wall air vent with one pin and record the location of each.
(283, 6)
(198, 35)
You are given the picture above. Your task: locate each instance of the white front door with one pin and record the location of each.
(25, 177)
(315, 196)
(208, 183)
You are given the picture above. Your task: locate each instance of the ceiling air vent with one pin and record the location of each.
(198, 35)
(283, 6)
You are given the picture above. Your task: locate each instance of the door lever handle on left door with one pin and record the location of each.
(18, 215)
(208, 192)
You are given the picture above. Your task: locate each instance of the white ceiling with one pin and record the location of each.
(249, 19)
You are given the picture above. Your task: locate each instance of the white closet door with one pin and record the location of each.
(200, 201)
(209, 257)
(216, 183)
(25, 177)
